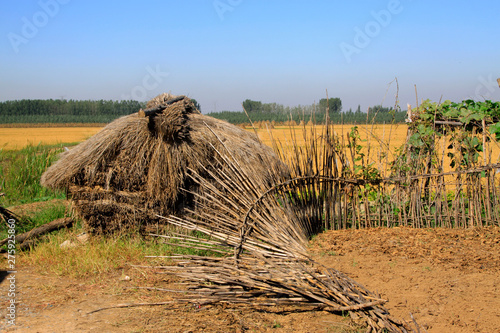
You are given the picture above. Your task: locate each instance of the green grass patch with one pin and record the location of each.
(99, 256)
(32, 216)
(20, 173)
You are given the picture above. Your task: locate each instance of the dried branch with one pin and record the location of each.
(40, 231)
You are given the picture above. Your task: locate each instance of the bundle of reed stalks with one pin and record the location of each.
(258, 242)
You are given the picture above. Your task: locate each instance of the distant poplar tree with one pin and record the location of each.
(196, 104)
(334, 104)
(252, 106)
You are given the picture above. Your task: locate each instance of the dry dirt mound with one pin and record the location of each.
(467, 250)
(448, 280)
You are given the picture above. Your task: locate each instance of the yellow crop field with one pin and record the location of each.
(380, 138)
(391, 135)
(17, 138)
(379, 142)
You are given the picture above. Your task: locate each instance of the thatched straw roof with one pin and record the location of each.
(138, 165)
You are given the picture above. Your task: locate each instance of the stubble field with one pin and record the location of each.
(19, 137)
(381, 139)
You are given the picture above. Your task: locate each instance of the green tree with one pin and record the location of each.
(196, 104)
(380, 108)
(333, 104)
(252, 106)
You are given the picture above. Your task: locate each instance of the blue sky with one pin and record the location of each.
(221, 52)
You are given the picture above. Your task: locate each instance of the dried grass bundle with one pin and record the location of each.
(135, 167)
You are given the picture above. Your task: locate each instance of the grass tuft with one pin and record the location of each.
(98, 257)
(20, 173)
(33, 216)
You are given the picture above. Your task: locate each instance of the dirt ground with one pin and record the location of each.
(447, 279)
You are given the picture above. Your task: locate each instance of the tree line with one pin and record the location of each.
(256, 111)
(65, 111)
(334, 105)
(105, 111)
(348, 117)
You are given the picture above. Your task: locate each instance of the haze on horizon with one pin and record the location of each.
(221, 52)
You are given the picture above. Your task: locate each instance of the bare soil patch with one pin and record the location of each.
(448, 279)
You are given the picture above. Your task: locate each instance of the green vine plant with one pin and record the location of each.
(368, 192)
(461, 123)
(361, 168)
